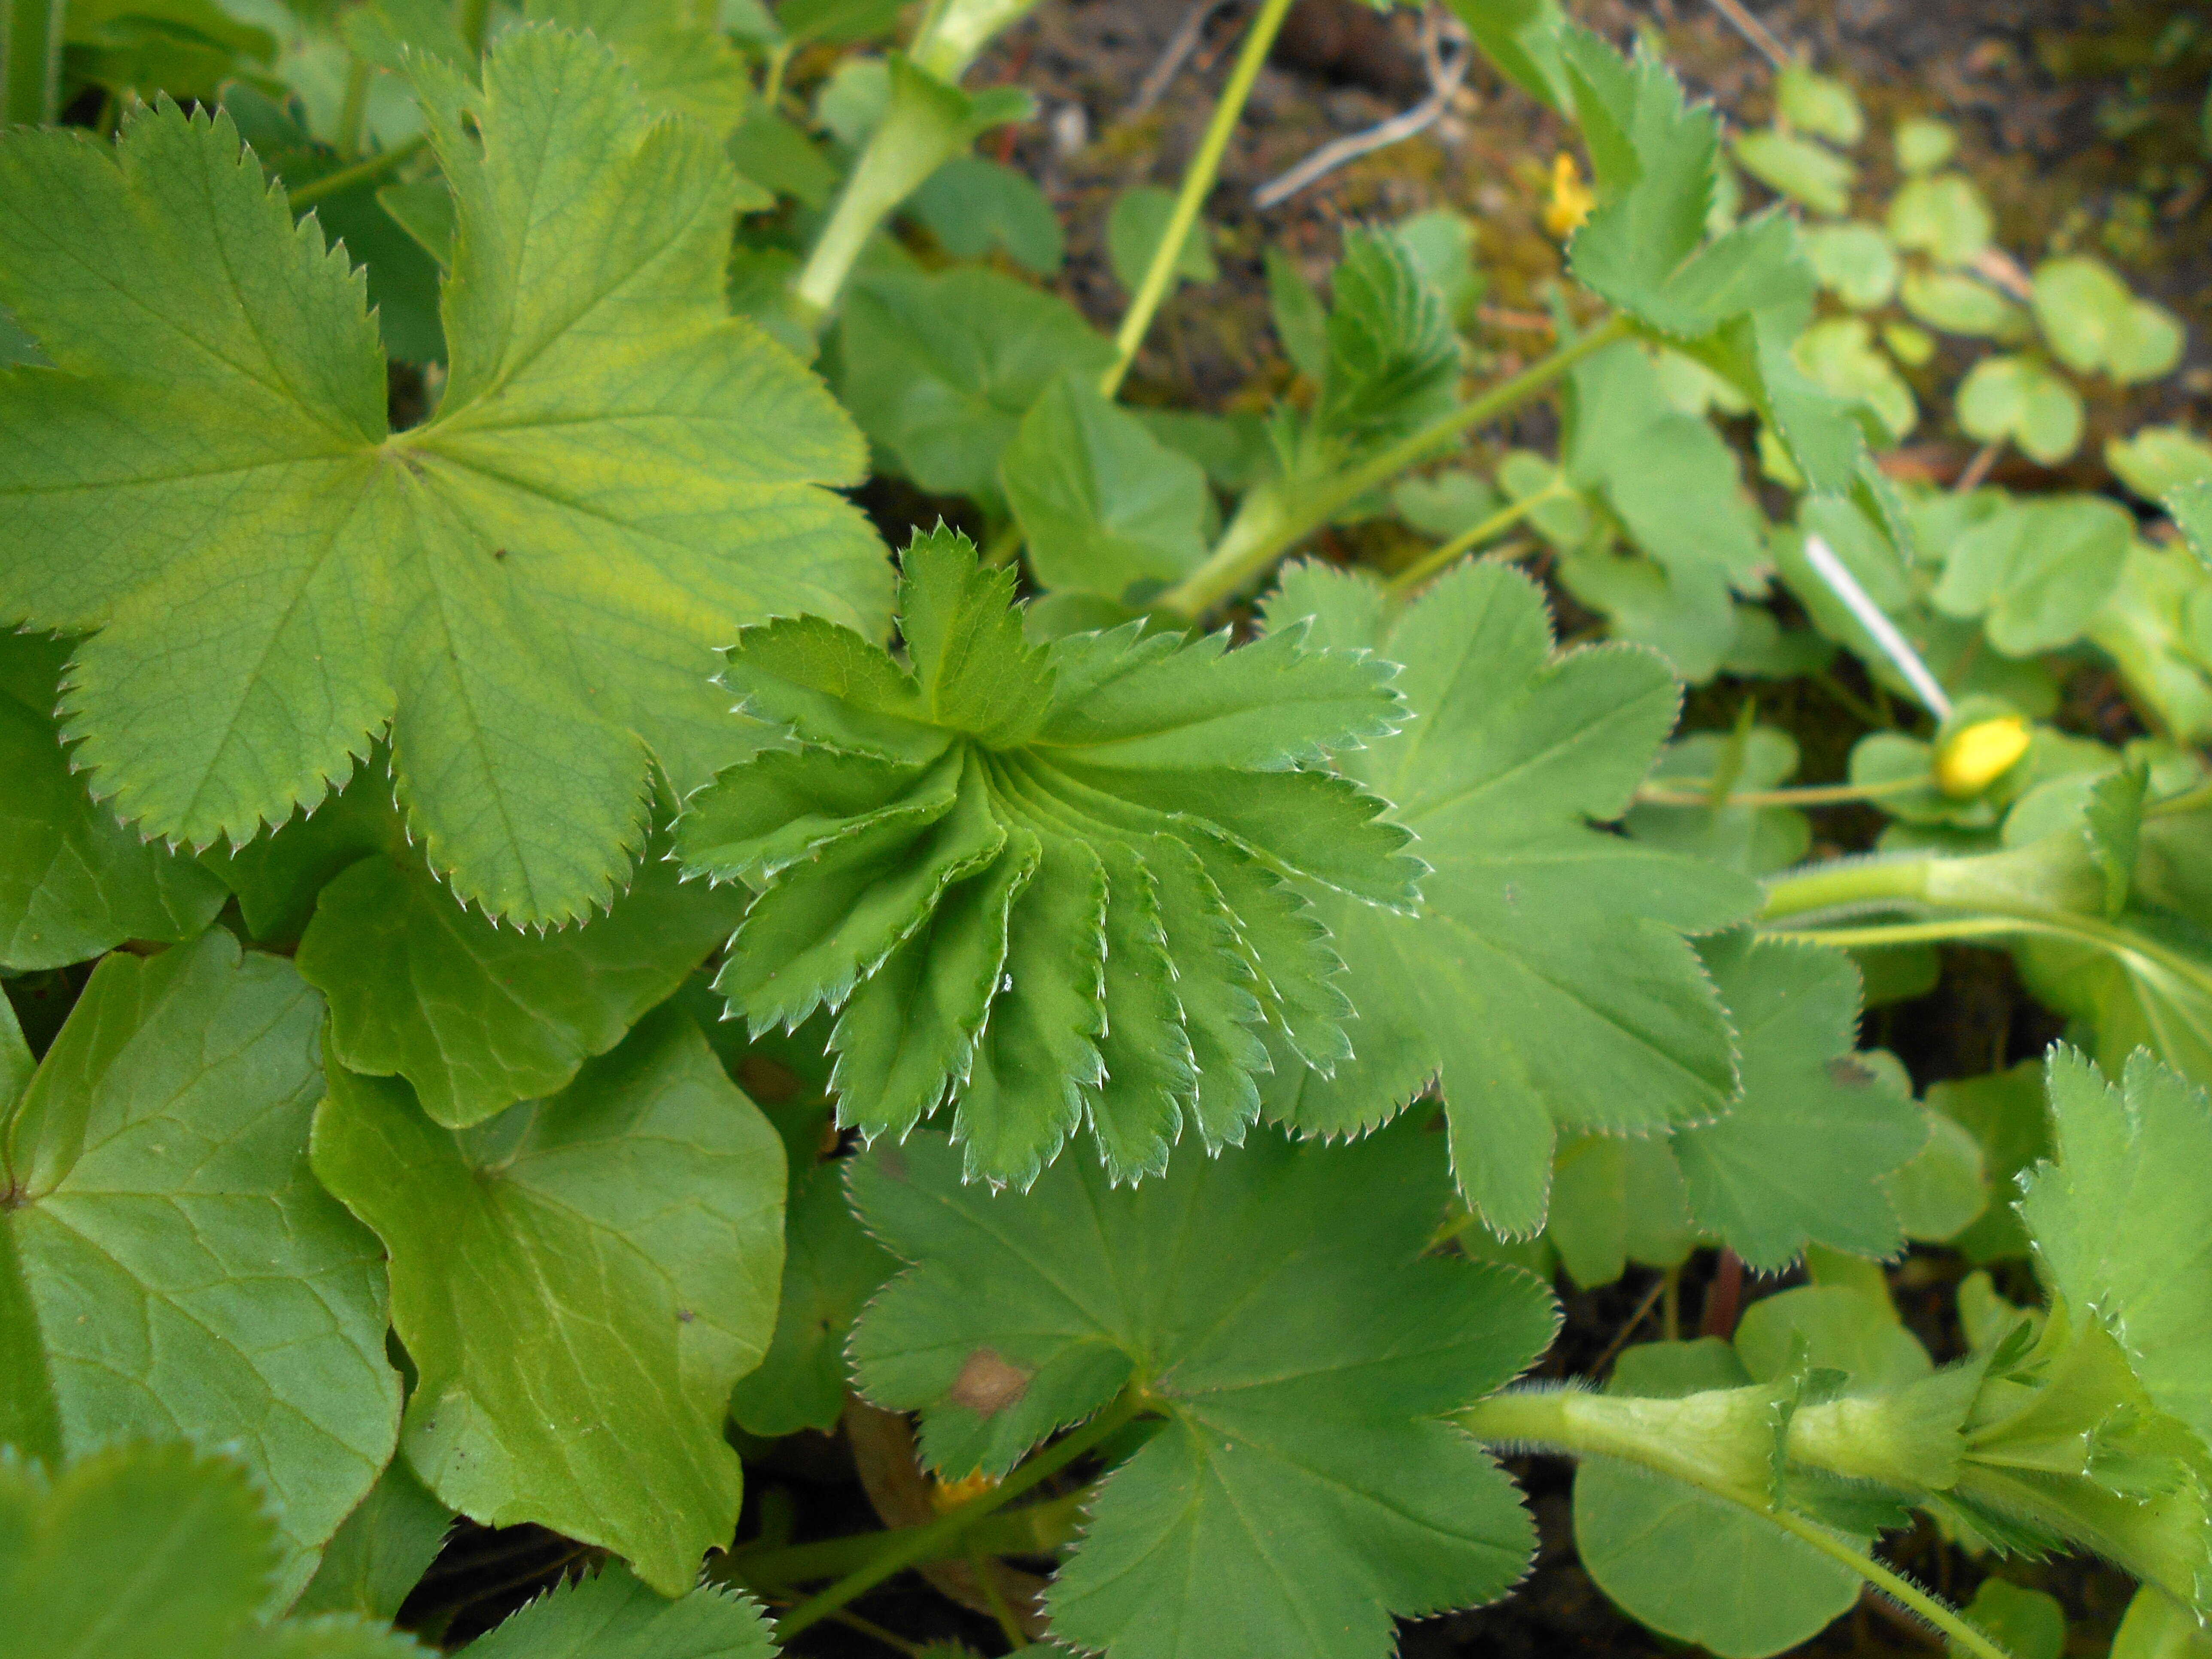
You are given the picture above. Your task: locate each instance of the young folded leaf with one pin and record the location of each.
(1051, 883)
(618, 476)
(1546, 983)
(1276, 1308)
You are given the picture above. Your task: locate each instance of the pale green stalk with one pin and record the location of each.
(375, 166)
(1720, 1441)
(1437, 558)
(354, 110)
(31, 60)
(1268, 525)
(1197, 182)
(1697, 792)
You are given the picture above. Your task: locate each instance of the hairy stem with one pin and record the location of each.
(924, 1543)
(1254, 543)
(1719, 1441)
(1197, 181)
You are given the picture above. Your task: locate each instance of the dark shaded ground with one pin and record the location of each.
(2079, 122)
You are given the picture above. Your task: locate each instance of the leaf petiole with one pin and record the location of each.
(926, 1543)
(1437, 558)
(1238, 560)
(1691, 792)
(375, 166)
(1197, 181)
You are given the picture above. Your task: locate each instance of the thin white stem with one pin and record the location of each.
(1894, 646)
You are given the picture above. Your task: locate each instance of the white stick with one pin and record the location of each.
(1895, 644)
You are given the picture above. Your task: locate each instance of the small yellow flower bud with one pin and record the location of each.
(1976, 756)
(1572, 199)
(945, 1496)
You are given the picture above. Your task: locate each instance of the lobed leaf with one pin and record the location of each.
(1274, 1309)
(618, 474)
(1547, 984)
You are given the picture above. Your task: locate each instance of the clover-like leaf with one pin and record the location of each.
(2093, 323)
(1546, 983)
(578, 1282)
(1048, 885)
(2016, 397)
(73, 881)
(2037, 571)
(1273, 1306)
(170, 1264)
(618, 476)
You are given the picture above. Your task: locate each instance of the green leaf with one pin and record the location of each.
(1657, 162)
(1104, 507)
(1943, 216)
(2017, 398)
(73, 881)
(578, 1282)
(2112, 820)
(2191, 504)
(972, 204)
(610, 1614)
(1799, 1158)
(1958, 304)
(1820, 104)
(1273, 1306)
(476, 1016)
(618, 476)
(2157, 1626)
(1697, 1567)
(831, 1270)
(1840, 354)
(682, 63)
(1854, 262)
(2095, 324)
(1301, 320)
(1755, 839)
(2153, 461)
(2037, 570)
(1393, 361)
(1546, 983)
(1944, 1189)
(145, 1548)
(1137, 225)
(940, 370)
(2109, 1211)
(1522, 36)
(1799, 168)
(401, 276)
(2027, 1623)
(989, 862)
(170, 1263)
(381, 1551)
(1924, 145)
(2003, 1111)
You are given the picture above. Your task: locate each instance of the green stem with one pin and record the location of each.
(31, 60)
(1473, 536)
(2190, 800)
(1846, 882)
(375, 166)
(923, 1543)
(779, 60)
(1197, 182)
(1694, 792)
(1959, 928)
(473, 19)
(354, 110)
(1892, 1583)
(1240, 559)
(1033, 1529)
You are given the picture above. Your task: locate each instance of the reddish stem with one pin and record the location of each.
(1723, 1297)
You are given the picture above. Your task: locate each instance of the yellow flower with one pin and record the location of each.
(1976, 756)
(1572, 199)
(948, 1495)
